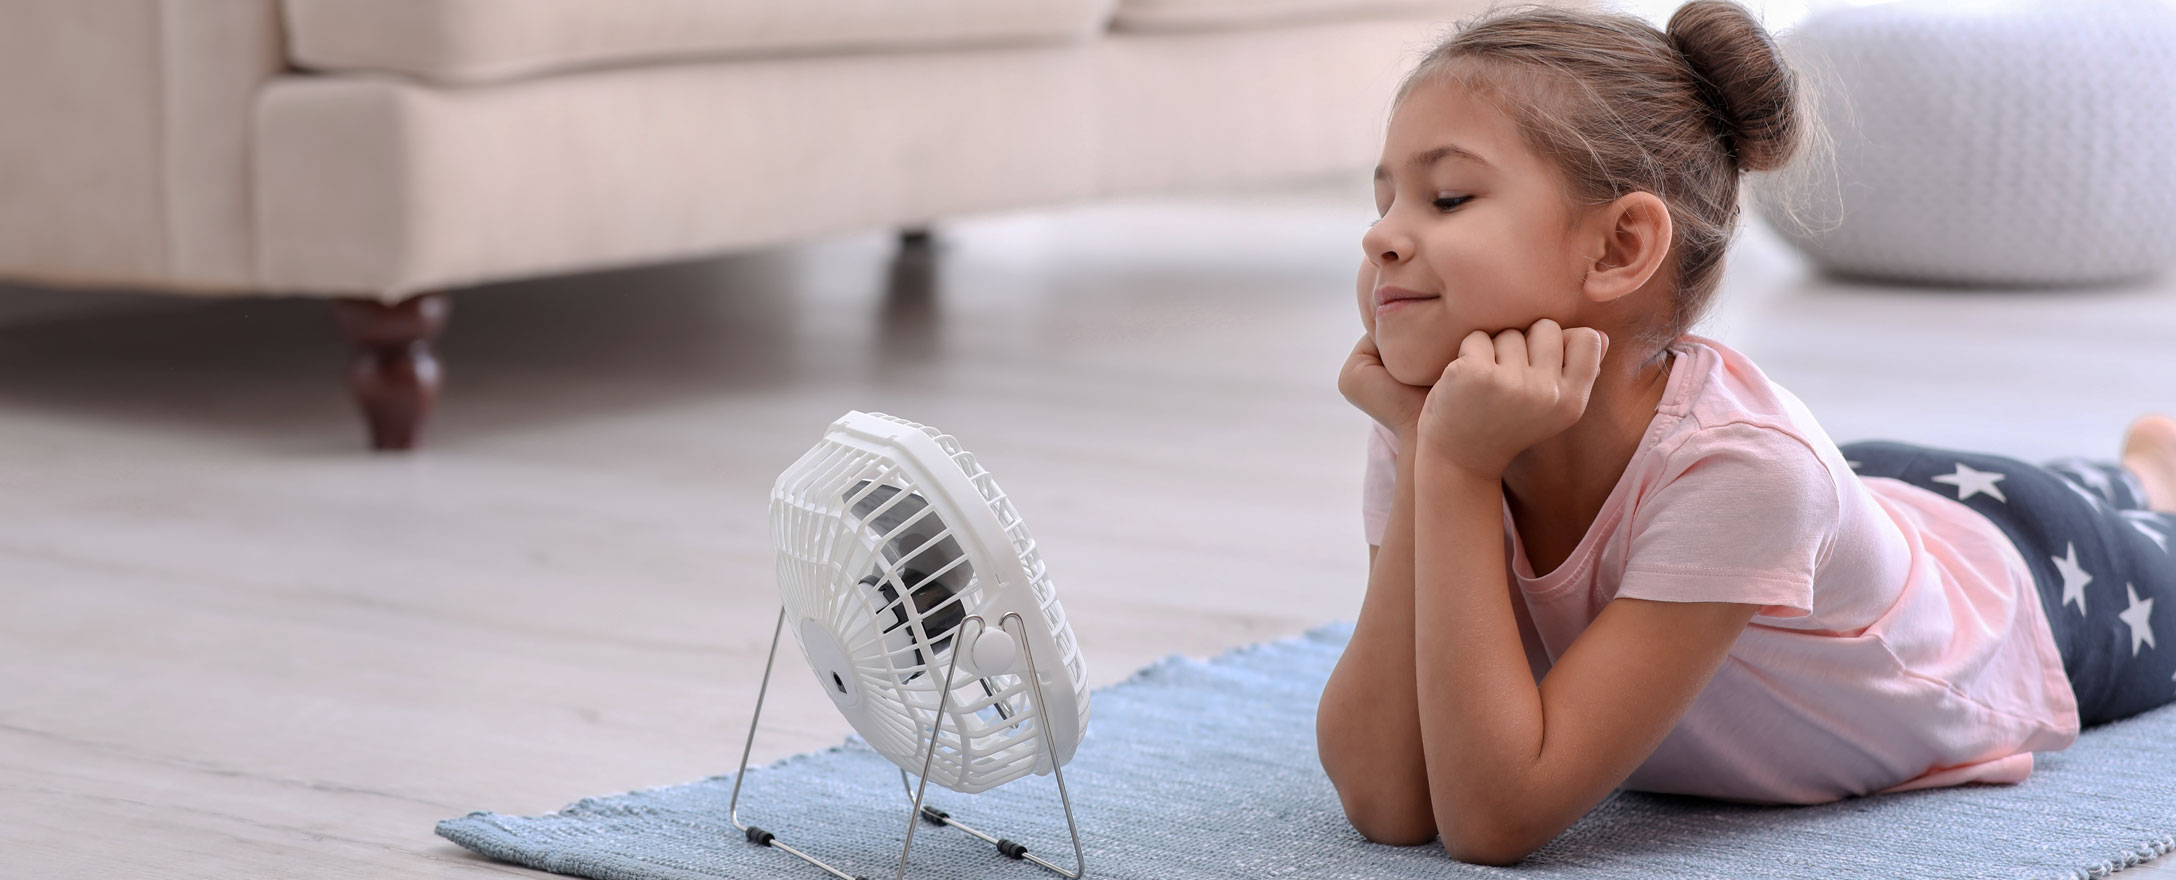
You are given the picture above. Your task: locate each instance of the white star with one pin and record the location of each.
(2138, 616)
(1970, 482)
(2089, 497)
(2095, 479)
(2074, 577)
(2139, 520)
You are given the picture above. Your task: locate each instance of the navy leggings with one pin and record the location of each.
(2105, 565)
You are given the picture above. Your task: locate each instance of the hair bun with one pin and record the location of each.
(1741, 73)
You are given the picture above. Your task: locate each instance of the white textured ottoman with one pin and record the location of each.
(1986, 143)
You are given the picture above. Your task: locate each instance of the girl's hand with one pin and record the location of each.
(1368, 385)
(1503, 395)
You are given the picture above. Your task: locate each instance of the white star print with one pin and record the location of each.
(1970, 482)
(2088, 496)
(2138, 616)
(2074, 577)
(2094, 478)
(2140, 520)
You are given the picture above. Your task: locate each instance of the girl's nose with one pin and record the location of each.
(1385, 243)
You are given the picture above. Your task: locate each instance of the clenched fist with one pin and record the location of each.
(1503, 394)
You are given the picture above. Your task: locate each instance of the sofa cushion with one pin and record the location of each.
(1187, 15)
(1200, 111)
(467, 41)
(383, 186)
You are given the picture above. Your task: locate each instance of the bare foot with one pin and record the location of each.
(2149, 450)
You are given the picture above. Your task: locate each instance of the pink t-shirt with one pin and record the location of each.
(1900, 643)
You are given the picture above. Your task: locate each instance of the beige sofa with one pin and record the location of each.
(383, 152)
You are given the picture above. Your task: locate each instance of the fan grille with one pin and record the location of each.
(865, 553)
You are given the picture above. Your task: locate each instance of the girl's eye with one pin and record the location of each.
(1444, 203)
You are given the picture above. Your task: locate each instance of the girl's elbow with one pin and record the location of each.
(1411, 821)
(1392, 824)
(1378, 809)
(1501, 853)
(1490, 843)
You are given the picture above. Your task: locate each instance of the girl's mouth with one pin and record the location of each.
(1393, 305)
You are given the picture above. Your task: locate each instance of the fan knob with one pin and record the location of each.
(833, 666)
(994, 652)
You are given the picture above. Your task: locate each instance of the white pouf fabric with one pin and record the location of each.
(1986, 143)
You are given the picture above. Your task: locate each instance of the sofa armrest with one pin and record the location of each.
(124, 133)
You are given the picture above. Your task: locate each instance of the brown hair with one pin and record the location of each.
(1618, 107)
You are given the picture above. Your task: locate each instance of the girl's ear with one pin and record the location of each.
(1629, 240)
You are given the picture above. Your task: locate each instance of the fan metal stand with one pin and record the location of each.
(1009, 848)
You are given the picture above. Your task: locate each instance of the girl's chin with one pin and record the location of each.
(1421, 378)
(1412, 371)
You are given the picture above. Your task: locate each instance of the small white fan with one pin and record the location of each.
(928, 618)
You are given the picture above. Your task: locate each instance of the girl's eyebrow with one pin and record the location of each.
(1429, 157)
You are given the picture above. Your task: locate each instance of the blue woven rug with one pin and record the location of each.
(1207, 769)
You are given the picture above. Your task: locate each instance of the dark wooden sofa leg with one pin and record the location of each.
(394, 375)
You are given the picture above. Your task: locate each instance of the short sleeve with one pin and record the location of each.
(1743, 513)
(1378, 482)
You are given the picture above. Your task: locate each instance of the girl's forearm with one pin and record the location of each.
(1480, 712)
(1368, 725)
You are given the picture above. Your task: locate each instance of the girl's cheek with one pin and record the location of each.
(1364, 296)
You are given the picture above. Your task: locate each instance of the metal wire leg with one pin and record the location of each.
(944, 693)
(761, 837)
(1050, 748)
(756, 835)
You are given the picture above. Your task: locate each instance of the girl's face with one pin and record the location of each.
(1473, 224)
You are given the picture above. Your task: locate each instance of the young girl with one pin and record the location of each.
(1706, 595)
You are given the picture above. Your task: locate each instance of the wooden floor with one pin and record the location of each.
(234, 645)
